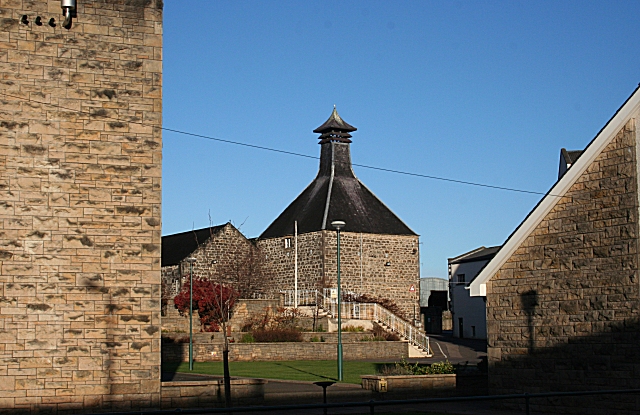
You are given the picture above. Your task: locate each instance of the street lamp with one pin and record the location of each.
(338, 224)
(190, 260)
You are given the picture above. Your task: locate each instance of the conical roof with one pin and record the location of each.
(336, 194)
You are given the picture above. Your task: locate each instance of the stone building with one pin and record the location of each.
(379, 253)
(563, 292)
(221, 253)
(80, 170)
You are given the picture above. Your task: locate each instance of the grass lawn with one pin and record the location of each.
(309, 370)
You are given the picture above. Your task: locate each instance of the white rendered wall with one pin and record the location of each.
(472, 310)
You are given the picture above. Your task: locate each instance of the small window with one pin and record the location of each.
(287, 243)
(460, 278)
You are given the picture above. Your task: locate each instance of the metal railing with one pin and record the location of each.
(372, 404)
(361, 311)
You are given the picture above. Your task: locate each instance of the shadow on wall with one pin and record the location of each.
(529, 302)
(607, 359)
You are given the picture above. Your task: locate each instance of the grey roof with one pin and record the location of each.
(177, 247)
(570, 156)
(478, 254)
(335, 122)
(336, 194)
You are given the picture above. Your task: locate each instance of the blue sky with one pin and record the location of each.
(486, 92)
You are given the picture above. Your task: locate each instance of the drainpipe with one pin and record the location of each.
(68, 11)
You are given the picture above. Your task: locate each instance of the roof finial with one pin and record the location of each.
(335, 129)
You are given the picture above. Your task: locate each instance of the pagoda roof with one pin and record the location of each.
(335, 122)
(336, 194)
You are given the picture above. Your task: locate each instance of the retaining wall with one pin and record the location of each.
(211, 352)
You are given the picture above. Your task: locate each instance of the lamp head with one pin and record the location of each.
(338, 224)
(190, 260)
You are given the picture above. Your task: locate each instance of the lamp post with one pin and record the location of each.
(190, 260)
(338, 224)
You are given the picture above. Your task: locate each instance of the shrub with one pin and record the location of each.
(378, 331)
(373, 339)
(353, 329)
(257, 321)
(314, 339)
(320, 328)
(404, 368)
(441, 368)
(277, 335)
(247, 338)
(394, 370)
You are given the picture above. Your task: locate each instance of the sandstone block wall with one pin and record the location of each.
(562, 313)
(364, 269)
(80, 181)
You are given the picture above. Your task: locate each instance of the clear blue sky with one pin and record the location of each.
(487, 92)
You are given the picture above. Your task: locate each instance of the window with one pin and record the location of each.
(287, 243)
(460, 278)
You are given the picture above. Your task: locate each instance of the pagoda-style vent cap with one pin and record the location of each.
(335, 123)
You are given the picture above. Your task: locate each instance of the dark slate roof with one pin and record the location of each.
(567, 158)
(478, 254)
(178, 246)
(337, 194)
(571, 156)
(335, 122)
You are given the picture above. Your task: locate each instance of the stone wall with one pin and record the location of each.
(383, 266)
(173, 322)
(226, 257)
(80, 193)
(280, 261)
(212, 352)
(210, 393)
(562, 312)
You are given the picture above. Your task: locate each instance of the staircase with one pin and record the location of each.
(363, 311)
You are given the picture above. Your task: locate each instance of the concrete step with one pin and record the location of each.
(416, 352)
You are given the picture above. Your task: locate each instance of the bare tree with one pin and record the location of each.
(241, 270)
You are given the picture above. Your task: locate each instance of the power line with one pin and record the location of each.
(291, 153)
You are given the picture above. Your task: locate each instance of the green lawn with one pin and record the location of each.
(309, 370)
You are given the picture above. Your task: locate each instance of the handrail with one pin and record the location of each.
(361, 311)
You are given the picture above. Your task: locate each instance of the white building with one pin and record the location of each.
(468, 313)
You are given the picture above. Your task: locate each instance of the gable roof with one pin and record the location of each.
(177, 247)
(478, 254)
(630, 107)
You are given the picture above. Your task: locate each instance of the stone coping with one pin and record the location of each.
(234, 381)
